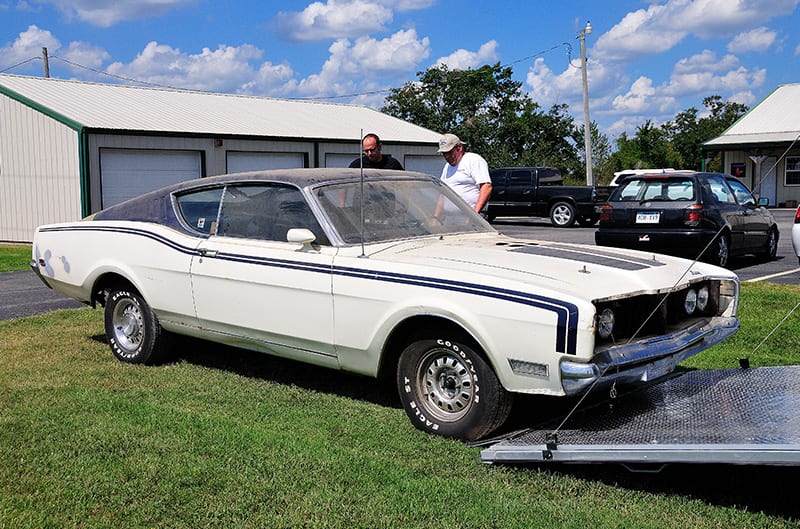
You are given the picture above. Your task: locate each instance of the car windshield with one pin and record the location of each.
(655, 189)
(396, 209)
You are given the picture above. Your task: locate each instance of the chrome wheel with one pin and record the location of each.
(128, 325)
(446, 383)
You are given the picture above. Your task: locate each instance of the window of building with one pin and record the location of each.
(792, 171)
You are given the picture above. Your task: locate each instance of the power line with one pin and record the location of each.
(316, 98)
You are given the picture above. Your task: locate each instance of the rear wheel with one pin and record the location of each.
(588, 222)
(770, 247)
(562, 215)
(132, 329)
(448, 389)
(720, 251)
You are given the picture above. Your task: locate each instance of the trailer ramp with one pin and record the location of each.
(747, 416)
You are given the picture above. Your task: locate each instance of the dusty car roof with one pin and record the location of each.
(298, 177)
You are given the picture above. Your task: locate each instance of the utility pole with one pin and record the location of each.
(587, 129)
(46, 62)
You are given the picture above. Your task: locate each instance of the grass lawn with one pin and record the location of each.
(226, 438)
(14, 257)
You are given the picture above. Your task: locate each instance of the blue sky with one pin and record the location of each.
(648, 60)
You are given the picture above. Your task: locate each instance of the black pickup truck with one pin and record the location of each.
(538, 192)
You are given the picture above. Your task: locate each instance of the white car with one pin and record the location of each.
(796, 233)
(390, 275)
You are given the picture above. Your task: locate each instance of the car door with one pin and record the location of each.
(729, 210)
(253, 288)
(519, 188)
(756, 220)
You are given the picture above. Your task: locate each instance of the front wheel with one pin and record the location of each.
(562, 215)
(132, 329)
(448, 389)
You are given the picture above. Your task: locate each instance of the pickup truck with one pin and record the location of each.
(538, 192)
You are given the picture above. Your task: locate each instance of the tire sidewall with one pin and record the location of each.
(144, 350)
(473, 424)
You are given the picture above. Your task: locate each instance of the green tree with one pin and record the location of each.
(648, 148)
(688, 132)
(487, 109)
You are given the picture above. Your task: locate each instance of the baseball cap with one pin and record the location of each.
(447, 142)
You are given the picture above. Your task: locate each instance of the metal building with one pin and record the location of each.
(763, 147)
(69, 148)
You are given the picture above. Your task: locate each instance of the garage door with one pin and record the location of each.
(238, 162)
(431, 164)
(127, 173)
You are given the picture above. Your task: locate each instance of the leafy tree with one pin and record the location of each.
(490, 113)
(649, 147)
(688, 132)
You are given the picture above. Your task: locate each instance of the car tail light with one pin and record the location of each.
(693, 215)
(797, 216)
(605, 213)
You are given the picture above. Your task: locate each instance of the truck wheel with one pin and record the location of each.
(562, 215)
(133, 331)
(588, 222)
(448, 389)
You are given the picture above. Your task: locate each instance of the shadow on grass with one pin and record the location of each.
(771, 490)
(767, 489)
(289, 372)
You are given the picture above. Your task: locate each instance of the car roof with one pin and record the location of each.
(298, 177)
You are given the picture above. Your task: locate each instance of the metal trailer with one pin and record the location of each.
(743, 416)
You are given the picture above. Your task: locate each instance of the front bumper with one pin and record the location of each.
(644, 359)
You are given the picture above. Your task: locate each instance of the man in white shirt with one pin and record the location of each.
(465, 172)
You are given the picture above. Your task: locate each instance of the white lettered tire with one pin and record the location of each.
(133, 331)
(448, 389)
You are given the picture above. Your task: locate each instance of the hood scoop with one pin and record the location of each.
(594, 256)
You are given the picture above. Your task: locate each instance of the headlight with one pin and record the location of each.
(605, 323)
(702, 299)
(690, 301)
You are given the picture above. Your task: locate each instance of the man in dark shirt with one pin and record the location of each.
(372, 157)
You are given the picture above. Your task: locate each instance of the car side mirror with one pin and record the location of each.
(302, 236)
(763, 202)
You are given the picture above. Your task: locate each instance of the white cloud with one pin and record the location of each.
(332, 20)
(462, 59)
(29, 44)
(660, 27)
(224, 69)
(85, 54)
(368, 59)
(759, 39)
(106, 14)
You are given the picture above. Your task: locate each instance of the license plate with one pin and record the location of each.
(648, 217)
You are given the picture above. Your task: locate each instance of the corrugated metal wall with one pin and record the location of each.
(39, 171)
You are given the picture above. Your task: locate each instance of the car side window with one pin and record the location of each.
(266, 212)
(721, 191)
(199, 210)
(743, 195)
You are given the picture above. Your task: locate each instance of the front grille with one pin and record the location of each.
(656, 314)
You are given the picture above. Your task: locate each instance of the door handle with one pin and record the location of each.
(205, 252)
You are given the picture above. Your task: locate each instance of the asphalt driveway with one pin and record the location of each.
(23, 294)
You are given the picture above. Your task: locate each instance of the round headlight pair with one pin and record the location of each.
(605, 323)
(695, 300)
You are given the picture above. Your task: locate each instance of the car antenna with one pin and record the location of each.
(361, 169)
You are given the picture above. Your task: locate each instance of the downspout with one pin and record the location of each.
(83, 169)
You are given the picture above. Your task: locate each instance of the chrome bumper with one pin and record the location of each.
(645, 359)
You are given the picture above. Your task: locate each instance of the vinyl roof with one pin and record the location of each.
(776, 119)
(128, 108)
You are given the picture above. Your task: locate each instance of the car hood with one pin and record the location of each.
(591, 271)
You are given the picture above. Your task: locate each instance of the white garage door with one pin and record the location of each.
(127, 173)
(238, 162)
(431, 164)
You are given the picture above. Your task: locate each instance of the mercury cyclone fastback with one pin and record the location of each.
(387, 274)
